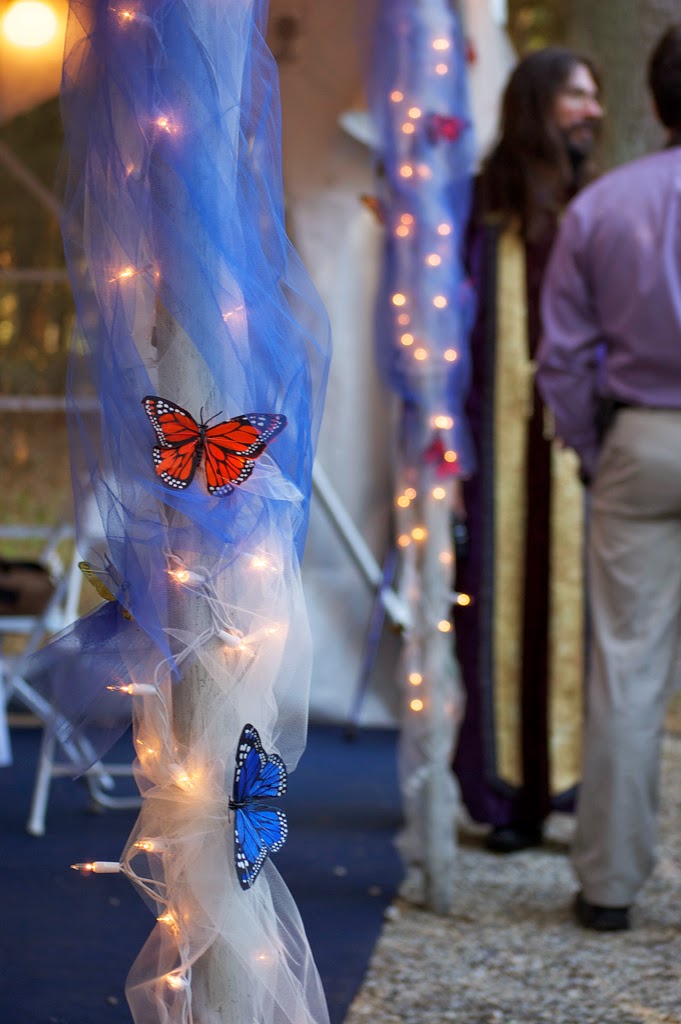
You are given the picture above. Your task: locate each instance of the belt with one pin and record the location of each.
(617, 405)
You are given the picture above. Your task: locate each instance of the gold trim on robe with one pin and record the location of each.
(513, 403)
(566, 621)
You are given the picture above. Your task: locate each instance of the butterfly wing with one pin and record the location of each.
(178, 453)
(258, 831)
(231, 447)
(173, 424)
(176, 466)
(257, 776)
(94, 578)
(225, 471)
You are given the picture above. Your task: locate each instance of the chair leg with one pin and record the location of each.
(41, 789)
(5, 744)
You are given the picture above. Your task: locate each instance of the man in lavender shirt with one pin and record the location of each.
(612, 341)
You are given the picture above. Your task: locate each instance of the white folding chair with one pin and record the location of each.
(22, 634)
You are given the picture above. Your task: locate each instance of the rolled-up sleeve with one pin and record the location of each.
(568, 356)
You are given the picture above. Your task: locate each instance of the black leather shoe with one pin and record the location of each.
(512, 838)
(601, 919)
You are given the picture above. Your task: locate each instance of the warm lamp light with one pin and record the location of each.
(29, 24)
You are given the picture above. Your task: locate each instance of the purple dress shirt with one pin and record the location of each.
(611, 301)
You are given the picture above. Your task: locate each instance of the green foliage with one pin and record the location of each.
(533, 25)
(35, 317)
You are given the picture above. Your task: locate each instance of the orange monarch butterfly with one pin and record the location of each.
(229, 447)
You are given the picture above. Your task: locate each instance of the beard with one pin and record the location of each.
(580, 139)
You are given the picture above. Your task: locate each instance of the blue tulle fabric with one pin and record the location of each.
(175, 240)
(187, 289)
(419, 103)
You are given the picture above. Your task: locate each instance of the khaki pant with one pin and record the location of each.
(635, 594)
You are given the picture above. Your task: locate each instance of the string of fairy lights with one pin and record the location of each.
(425, 242)
(158, 754)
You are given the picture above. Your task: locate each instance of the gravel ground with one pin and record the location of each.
(510, 953)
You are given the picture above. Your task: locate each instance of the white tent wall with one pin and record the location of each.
(318, 46)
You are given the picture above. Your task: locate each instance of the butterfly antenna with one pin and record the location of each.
(214, 417)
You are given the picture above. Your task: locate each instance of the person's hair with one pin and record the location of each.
(664, 77)
(529, 174)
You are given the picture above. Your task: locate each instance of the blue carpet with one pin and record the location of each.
(67, 942)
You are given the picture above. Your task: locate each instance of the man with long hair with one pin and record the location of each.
(520, 642)
(612, 341)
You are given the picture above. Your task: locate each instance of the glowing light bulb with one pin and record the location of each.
(182, 778)
(150, 845)
(440, 302)
(410, 492)
(416, 705)
(260, 562)
(446, 557)
(408, 128)
(424, 172)
(123, 275)
(169, 919)
(398, 299)
(451, 355)
(439, 493)
(420, 354)
(450, 456)
(402, 231)
(415, 678)
(441, 69)
(463, 600)
(444, 229)
(407, 339)
(185, 576)
(165, 124)
(403, 501)
(433, 260)
(442, 422)
(84, 869)
(176, 981)
(403, 319)
(404, 540)
(396, 96)
(232, 312)
(444, 625)
(135, 689)
(407, 219)
(29, 24)
(406, 171)
(419, 533)
(98, 867)
(440, 43)
(414, 112)
(126, 15)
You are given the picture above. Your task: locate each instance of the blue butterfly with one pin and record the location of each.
(258, 829)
